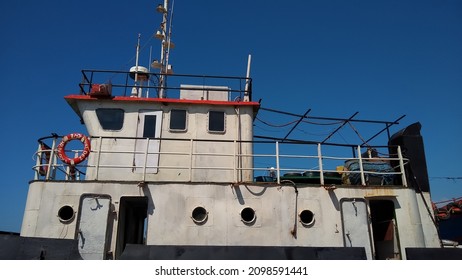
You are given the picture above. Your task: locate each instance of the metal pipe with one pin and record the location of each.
(361, 169)
(401, 167)
(38, 162)
(145, 159)
(296, 124)
(98, 157)
(52, 158)
(247, 81)
(278, 171)
(321, 172)
(191, 158)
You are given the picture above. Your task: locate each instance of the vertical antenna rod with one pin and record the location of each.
(164, 34)
(163, 29)
(247, 80)
(169, 39)
(135, 88)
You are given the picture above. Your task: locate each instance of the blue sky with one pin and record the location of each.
(383, 59)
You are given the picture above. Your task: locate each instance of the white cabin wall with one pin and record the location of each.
(275, 209)
(197, 128)
(415, 228)
(112, 143)
(246, 115)
(31, 211)
(429, 229)
(170, 207)
(41, 218)
(416, 239)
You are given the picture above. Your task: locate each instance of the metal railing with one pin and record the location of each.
(121, 84)
(48, 166)
(280, 164)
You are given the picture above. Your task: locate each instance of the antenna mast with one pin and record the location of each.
(138, 73)
(135, 88)
(164, 34)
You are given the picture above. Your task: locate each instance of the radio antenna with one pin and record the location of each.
(164, 34)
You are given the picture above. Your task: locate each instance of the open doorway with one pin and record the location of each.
(385, 230)
(132, 222)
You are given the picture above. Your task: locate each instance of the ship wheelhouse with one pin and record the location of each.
(161, 139)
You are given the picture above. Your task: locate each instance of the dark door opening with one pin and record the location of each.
(385, 234)
(132, 218)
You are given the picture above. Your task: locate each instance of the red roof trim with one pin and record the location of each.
(165, 100)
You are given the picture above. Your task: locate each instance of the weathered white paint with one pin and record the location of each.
(92, 226)
(355, 220)
(170, 206)
(213, 171)
(239, 127)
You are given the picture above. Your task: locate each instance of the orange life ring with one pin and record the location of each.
(86, 148)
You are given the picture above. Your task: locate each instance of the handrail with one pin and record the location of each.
(120, 79)
(284, 162)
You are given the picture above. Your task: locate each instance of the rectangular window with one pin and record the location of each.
(178, 120)
(110, 118)
(149, 130)
(216, 121)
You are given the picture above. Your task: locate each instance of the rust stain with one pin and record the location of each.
(373, 192)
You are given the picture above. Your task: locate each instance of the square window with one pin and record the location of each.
(110, 119)
(216, 121)
(178, 120)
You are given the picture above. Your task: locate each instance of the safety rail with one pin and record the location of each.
(121, 84)
(47, 166)
(283, 164)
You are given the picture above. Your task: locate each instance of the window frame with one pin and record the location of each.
(104, 126)
(209, 119)
(185, 121)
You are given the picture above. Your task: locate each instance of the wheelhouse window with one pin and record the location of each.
(110, 118)
(178, 120)
(216, 121)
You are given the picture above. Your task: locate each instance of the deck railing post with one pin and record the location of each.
(321, 172)
(235, 159)
(278, 171)
(145, 159)
(38, 162)
(401, 167)
(191, 147)
(98, 158)
(53, 158)
(52, 161)
(361, 169)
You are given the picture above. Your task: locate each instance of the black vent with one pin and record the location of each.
(412, 148)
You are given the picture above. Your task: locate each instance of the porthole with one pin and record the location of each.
(306, 218)
(66, 214)
(248, 216)
(199, 215)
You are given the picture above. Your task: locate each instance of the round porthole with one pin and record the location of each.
(199, 215)
(66, 214)
(248, 216)
(306, 218)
